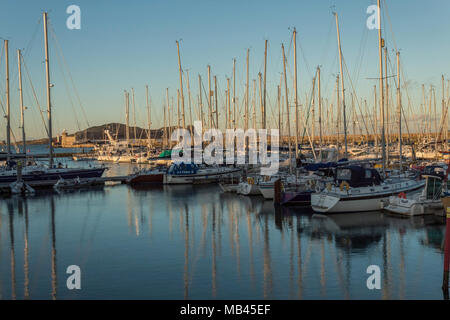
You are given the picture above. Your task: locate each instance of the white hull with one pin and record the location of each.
(228, 187)
(268, 192)
(412, 207)
(359, 199)
(248, 189)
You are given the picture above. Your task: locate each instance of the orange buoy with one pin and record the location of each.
(402, 195)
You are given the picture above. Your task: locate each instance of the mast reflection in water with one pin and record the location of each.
(193, 242)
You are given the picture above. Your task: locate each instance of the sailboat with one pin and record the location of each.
(357, 188)
(9, 173)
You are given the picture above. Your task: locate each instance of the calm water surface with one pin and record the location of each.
(193, 242)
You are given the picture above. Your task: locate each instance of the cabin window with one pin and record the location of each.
(368, 174)
(434, 188)
(344, 174)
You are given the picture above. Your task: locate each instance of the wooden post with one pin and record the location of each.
(277, 192)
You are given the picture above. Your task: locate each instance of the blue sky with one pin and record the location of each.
(128, 44)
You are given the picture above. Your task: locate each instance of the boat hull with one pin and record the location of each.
(333, 203)
(157, 178)
(54, 175)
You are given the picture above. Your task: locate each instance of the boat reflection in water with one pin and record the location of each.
(194, 242)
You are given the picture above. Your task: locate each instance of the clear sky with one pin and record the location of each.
(128, 44)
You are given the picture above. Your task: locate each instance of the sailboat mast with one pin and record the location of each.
(189, 102)
(320, 111)
(181, 85)
(443, 112)
(127, 116)
(22, 115)
(134, 114)
(386, 104)
(200, 102)
(49, 104)
(247, 93)
(228, 104)
(399, 111)
(264, 98)
(8, 125)
(169, 117)
(342, 83)
(148, 117)
(380, 53)
(209, 97)
(234, 94)
(375, 116)
(296, 93)
(216, 103)
(261, 98)
(287, 108)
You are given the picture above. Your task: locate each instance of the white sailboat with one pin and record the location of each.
(359, 189)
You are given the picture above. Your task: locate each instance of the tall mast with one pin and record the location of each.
(399, 111)
(296, 94)
(320, 111)
(209, 97)
(265, 74)
(169, 117)
(338, 118)
(375, 115)
(134, 114)
(164, 144)
(254, 104)
(234, 93)
(8, 109)
(217, 106)
(313, 113)
(287, 107)
(127, 116)
(386, 104)
(342, 83)
(279, 108)
(49, 104)
(200, 101)
(181, 85)
(435, 118)
(228, 104)
(261, 98)
(148, 117)
(380, 53)
(189, 102)
(443, 112)
(178, 108)
(22, 115)
(247, 94)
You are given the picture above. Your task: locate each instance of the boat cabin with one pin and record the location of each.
(182, 168)
(433, 186)
(357, 176)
